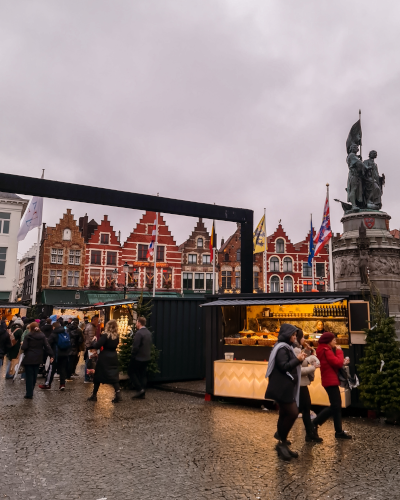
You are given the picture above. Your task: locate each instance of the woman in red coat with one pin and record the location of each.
(331, 359)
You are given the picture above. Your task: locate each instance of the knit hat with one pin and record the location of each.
(326, 338)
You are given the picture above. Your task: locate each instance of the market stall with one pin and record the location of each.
(122, 311)
(8, 310)
(241, 333)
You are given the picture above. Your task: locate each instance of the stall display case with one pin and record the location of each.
(242, 332)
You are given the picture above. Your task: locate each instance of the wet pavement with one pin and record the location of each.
(175, 446)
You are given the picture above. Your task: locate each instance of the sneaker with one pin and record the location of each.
(87, 382)
(62, 387)
(342, 435)
(44, 386)
(92, 398)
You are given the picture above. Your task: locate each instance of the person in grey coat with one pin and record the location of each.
(141, 355)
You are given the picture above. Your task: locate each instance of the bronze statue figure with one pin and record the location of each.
(354, 179)
(373, 183)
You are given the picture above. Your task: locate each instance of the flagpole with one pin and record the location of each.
(155, 258)
(312, 260)
(331, 281)
(265, 252)
(359, 117)
(214, 284)
(36, 265)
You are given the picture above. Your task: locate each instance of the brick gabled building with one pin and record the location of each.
(103, 255)
(287, 267)
(196, 261)
(61, 257)
(141, 269)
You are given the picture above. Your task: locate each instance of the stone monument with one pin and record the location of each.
(366, 249)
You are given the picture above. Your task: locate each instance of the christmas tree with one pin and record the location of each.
(126, 341)
(379, 369)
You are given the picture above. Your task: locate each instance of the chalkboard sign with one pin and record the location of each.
(358, 316)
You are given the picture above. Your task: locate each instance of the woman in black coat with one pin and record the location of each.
(5, 342)
(284, 384)
(33, 345)
(107, 368)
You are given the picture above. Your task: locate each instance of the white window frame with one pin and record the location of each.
(192, 255)
(209, 258)
(4, 221)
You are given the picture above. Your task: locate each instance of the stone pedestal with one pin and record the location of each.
(383, 255)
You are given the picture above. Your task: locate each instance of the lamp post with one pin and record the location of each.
(126, 271)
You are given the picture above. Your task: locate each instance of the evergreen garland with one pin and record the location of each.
(380, 388)
(126, 341)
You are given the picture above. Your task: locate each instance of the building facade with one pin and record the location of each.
(197, 268)
(25, 274)
(103, 257)
(12, 207)
(141, 268)
(62, 256)
(287, 265)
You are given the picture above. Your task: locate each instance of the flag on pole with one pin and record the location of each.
(150, 251)
(325, 232)
(311, 247)
(259, 243)
(32, 217)
(212, 242)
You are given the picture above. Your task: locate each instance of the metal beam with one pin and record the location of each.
(45, 188)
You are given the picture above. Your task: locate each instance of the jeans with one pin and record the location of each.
(8, 370)
(30, 380)
(137, 374)
(288, 413)
(61, 367)
(305, 409)
(334, 409)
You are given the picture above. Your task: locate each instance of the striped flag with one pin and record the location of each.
(212, 241)
(325, 232)
(150, 251)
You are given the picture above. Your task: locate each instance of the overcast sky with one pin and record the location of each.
(241, 103)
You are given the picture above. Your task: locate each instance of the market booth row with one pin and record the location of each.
(241, 333)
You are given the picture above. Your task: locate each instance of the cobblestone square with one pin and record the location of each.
(175, 446)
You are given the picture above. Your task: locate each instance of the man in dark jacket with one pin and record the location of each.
(141, 355)
(76, 337)
(5, 342)
(47, 327)
(60, 361)
(33, 345)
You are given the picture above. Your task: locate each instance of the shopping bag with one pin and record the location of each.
(14, 363)
(18, 368)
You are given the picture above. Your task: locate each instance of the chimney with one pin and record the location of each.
(119, 236)
(222, 241)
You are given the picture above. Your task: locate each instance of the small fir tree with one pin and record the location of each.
(380, 382)
(126, 341)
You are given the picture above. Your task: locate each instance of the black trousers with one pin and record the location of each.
(72, 364)
(96, 386)
(61, 367)
(137, 374)
(31, 372)
(334, 409)
(288, 413)
(305, 409)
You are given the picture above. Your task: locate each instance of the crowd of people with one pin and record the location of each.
(52, 347)
(291, 368)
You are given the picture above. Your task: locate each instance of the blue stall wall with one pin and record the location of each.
(178, 333)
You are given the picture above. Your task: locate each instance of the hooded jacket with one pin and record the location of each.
(53, 341)
(283, 369)
(331, 361)
(47, 328)
(5, 342)
(33, 346)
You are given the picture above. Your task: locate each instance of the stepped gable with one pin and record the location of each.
(280, 233)
(104, 227)
(199, 230)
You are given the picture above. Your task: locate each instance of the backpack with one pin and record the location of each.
(64, 340)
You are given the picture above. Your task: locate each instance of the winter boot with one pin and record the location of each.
(117, 397)
(93, 397)
(342, 435)
(283, 451)
(276, 436)
(292, 453)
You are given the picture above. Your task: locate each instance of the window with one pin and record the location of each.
(288, 284)
(73, 278)
(160, 253)
(3, 256)
(307, 286)
(226, 279)
(142, 252)
(287, 265)
(280, 246)
(206, 259)
(55, 277)
(209, 281)
(187, 281)
(274, 264)
(95, 257)
(237, 279)
(200, 242)
(238, 254)
(320, 270)
(95, 278)
(307, 270)
(4, 222)
(255, 279)
(275, 284)
(167, 277)
(104, 239)
(67, 234)
(57, 255)
(110, 281)
(111, 258)
(75, 257)
(192, 258)
(199, 281)
(226, 257)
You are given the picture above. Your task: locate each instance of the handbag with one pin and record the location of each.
(12, 338)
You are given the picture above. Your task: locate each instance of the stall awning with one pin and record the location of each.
(108, 304)
(273, 302)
